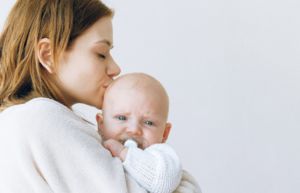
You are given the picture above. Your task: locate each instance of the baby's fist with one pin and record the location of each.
(116, 148)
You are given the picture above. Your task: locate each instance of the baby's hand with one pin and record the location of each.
(116, 148)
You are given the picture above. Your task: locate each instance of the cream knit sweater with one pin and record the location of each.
(47, 148)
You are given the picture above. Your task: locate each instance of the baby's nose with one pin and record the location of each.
(135, 130)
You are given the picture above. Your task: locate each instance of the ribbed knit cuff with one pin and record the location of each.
(157, 168)
(142, 166)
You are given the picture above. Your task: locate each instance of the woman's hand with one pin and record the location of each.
(188, 184)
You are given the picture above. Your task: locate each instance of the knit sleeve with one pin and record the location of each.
(157, 168)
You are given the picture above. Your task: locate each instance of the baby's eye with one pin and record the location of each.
(121, 118)
(150, 123)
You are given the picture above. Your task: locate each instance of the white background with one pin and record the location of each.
(232, 70)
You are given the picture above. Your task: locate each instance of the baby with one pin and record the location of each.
(134, 128)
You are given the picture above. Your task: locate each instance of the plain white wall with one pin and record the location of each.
(232, 70)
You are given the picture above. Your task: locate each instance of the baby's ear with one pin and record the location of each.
(166, 132)
(99, 119)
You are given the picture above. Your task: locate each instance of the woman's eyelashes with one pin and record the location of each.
(103, 56)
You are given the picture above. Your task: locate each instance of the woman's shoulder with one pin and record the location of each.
(37, 107)
(37, 115)
(44, 105)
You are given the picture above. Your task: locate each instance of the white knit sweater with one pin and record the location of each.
(46, 148)
(157, 168)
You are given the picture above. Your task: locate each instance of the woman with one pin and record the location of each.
(54, 54)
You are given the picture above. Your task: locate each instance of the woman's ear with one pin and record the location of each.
(166, 132)
(44, 54)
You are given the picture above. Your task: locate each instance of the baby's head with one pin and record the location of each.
(135, 107)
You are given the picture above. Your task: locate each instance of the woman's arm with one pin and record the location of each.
(188, 184)
(52, 148)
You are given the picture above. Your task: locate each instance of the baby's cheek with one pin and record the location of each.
(147, 140)
(112, 133)
(104, 133)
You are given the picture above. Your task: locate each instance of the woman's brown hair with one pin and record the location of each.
(22, 77)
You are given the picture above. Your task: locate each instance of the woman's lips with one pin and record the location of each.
(107, 84)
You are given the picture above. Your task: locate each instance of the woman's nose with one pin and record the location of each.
(113, 69)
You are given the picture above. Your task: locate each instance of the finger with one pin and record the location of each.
(114, 147)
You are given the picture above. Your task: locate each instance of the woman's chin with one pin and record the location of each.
(98, 105)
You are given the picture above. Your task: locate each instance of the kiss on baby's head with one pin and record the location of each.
(135, 107)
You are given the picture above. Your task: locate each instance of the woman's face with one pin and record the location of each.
(87, 67)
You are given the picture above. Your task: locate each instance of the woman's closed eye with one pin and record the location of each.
(102, 56)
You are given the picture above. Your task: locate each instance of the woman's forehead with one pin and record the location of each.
(99, 33)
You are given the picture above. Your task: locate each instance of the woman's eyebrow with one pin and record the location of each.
(107, 42)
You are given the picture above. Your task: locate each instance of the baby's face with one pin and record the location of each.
(142, 116)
